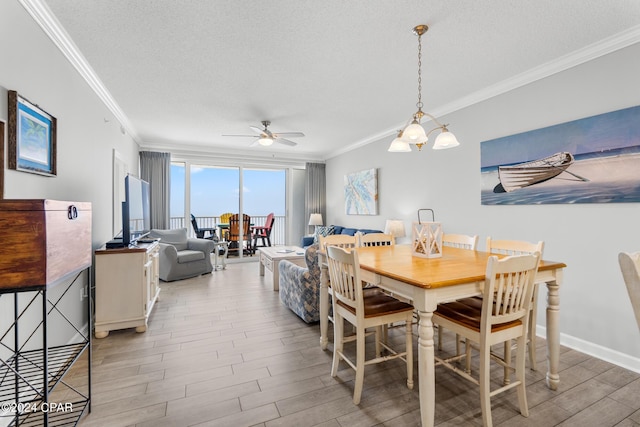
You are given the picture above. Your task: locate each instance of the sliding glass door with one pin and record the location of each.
(264, 193)
(213, 191)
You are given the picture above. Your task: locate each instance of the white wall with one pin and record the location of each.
(31, 65)
(35, 68)
(596, 315)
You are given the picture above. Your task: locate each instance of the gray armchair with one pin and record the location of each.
(182, 257)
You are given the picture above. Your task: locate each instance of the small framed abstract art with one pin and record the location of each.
(361, 192)
(32, 137)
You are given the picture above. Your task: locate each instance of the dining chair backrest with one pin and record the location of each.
(513, 247)
(340, 240)
(375, 239)
(344, 275)
(463, 241)
(630, 267)
(510, 280)
(520, 247)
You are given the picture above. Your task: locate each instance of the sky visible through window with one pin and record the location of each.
(215, 191)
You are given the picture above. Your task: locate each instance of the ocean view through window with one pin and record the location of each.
(216, 190)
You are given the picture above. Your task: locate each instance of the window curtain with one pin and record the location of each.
(315, 191)
(155, 168)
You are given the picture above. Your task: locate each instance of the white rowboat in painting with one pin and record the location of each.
(529, 173)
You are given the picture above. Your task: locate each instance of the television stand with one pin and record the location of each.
(126, 287)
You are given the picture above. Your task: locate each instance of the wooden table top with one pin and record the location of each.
(456, 266)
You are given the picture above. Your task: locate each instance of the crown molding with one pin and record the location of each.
(603, 47)
(43, 16)
(227, 156)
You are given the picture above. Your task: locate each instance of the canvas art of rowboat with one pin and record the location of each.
(528, 173)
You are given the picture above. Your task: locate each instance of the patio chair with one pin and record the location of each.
(203, 233)
(237, 242)
(263, 232)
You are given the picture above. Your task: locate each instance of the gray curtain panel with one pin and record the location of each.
(155, 168)
(315, 191)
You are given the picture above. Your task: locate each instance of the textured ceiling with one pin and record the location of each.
(343, 72)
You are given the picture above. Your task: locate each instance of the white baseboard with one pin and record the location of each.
(623, 360)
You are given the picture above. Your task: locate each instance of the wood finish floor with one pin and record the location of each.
(221, 350)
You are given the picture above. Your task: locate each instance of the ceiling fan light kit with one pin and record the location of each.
(265, 141)
(414, 133)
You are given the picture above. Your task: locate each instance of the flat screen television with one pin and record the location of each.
(136, 217)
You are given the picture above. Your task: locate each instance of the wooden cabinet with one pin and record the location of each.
(43, 240)
(44, 260)
(126, 287)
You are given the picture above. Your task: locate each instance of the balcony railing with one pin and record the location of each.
(277, 232)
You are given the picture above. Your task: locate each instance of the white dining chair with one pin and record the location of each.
(340, 240)
(364, 311)
(630, 268)
(463, 241)
(521, 247)
(500, 319)
(376, 239)
(344, 241)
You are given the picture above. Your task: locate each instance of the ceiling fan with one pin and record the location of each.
(265, 137)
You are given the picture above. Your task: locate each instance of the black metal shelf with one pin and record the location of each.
(30, 368)
(28, 377)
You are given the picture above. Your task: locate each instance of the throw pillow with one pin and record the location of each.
(324, 231)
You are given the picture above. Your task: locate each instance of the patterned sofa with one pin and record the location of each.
(300, 286)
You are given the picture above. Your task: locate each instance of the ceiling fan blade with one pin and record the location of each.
(254, 143)
(289, 134)
(286, 142)
(245, 136)
(257, 130)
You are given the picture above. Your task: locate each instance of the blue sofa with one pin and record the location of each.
(338, 229)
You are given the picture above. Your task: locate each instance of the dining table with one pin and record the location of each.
(427, 282)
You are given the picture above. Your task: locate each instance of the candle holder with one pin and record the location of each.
(426, 237)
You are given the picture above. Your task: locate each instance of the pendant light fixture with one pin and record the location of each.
(414, 133)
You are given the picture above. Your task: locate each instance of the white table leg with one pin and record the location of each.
(426, 369)
(553, 334)
(324, 304)
(276, 275)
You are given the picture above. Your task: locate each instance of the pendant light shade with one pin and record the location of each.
(414, 133)
(399, 145)
(445, 140)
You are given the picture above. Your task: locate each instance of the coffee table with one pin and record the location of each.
(271, 256)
